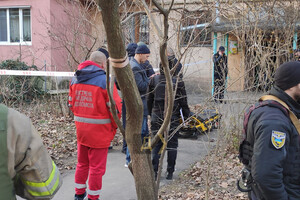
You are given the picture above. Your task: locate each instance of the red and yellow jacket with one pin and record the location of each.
(88, 100)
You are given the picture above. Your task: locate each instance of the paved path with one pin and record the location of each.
(118, 183)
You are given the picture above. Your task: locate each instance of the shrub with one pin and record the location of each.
(16, 89)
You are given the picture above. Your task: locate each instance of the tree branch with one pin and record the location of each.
(113, 110)
(160, 8)
(153, 22)
(132, 15)
(142, 169)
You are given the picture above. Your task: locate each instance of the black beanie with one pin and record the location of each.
(131, 47)
(104, 51)
(142, 49)
(287, 75)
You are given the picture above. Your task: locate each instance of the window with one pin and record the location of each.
(137, 29)
(195, 29)
(15, 25)
(144, 29)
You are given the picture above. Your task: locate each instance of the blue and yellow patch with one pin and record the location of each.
(278, 139)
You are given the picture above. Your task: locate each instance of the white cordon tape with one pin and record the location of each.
(35, 73)
(119, 63)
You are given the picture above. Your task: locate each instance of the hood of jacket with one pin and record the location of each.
(88, 70)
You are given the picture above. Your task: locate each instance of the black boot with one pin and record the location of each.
(169, 176)
(80, 197)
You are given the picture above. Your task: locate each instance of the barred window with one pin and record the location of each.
(195, 29)
(137, 29)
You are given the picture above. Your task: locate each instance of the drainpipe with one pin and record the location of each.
(213, 67)
(295, 40)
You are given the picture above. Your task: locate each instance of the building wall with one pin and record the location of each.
(236, 71)
(61, 35)
(76, 31)
(197, 61)
(39, 51)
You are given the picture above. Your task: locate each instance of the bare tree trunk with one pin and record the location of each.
(141, 161)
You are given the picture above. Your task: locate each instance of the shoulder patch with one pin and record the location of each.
(278, 139)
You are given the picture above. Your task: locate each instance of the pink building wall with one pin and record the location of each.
(38, 52)
(47, 18)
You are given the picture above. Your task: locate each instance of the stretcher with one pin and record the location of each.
(201, 123)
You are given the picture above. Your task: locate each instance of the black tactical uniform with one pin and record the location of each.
(172, 62)
(156, 103)
(272, 150)
(220, 74)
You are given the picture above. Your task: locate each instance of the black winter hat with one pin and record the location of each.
(142, 49)
(221, 48)
(104, 51)
(287, 75)
(131, 47)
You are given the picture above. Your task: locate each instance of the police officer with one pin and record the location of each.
(26, 168)
(156, 103)
(220, 74)
(271, 149)
(173, 62)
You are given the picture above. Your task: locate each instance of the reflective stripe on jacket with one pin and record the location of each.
(88, 100)
(29, 165)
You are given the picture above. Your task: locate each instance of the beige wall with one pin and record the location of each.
(235, 70)
(197, 61)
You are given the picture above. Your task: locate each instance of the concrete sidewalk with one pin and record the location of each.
(118, 183)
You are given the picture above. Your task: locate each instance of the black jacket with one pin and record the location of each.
(220, 66)
(142, 81)
(148, 68)
(172, 62)
(156, 98)
(276, 171)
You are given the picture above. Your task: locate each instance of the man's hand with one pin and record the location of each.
(153, 75)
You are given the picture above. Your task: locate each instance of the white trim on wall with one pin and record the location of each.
(6, 7)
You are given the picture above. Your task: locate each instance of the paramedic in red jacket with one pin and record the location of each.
(88, 100)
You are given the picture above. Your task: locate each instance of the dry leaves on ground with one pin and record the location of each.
(214, 177)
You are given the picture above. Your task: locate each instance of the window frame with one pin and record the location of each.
(201, 26)
(144, 28)
(21, 26)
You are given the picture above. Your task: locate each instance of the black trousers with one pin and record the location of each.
(171, 147)
(219, 89)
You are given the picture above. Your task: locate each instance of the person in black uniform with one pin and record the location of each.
(156, 103)
(220, 74)
(172, 60)
(271, 149)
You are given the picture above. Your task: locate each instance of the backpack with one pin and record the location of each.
(245, 148)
